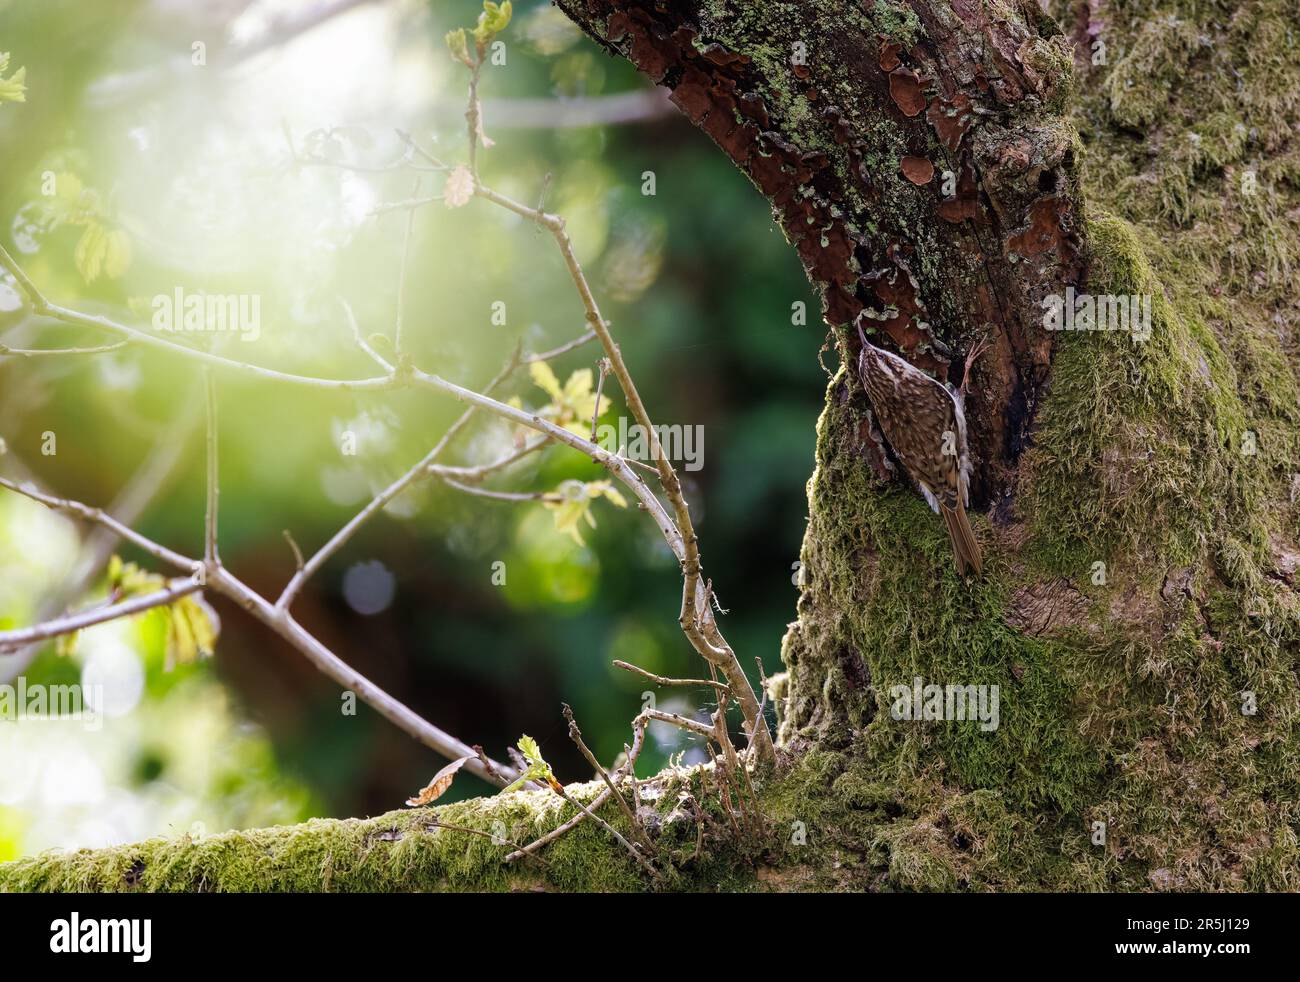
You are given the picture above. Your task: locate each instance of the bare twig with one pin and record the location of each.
(575, 734)
(99, 517)
(297, 553)
(661, 680)
(602, 367)
(628, 768)
(416, 148)
(473, 115)
(696, 617)
(636, 854)
(681, 722)
(563, 349)
(10, 640)
(410, 205)
(144, 485)
(496, 840)
(223, 582)
(38, 352)
(502, 495)
(475, 474)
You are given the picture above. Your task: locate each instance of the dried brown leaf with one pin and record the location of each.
(436, 788)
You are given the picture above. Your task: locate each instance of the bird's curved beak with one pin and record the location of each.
(858, 324)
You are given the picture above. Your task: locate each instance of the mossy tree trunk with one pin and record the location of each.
(942, 166)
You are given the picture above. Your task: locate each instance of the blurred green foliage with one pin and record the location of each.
(185, 170)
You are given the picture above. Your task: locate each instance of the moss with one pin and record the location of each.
(397, 851)
(1130, 712)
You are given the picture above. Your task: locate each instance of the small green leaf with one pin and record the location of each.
(544, 378)
(574, 505)
(494, 19)
(538, 769)
(531, 751)
(459, 46)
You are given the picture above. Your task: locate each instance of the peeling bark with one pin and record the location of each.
(837, 120)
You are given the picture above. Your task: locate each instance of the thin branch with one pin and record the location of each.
(144, 485)
(661, 680)
(681, 722)
(410, 204)
(41, 305)
(293, 544)
(628, 768)
(696, 617)
(496, 840)
(222, 581)
(473, 115)
(575, 734)
(412, 145)
(565, 348)
(503, 495)
(602, 367)
(38, 352)
(474, 474)
(361, 342)
(559, 830)
(99, 517)
(636, 853)
(11, 640)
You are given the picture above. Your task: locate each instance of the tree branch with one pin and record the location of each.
(225, 583)
(10, 640)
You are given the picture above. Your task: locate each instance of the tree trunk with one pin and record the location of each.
(1136, 495)
(943, 167)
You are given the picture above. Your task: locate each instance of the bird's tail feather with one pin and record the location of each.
(965, 547)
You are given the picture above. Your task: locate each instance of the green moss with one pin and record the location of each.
(398, 851)
(1128, 710)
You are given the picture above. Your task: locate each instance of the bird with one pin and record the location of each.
(924, 422)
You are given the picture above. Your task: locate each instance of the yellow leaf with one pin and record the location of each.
(181, 646)
(597, 489)
(545, 380)
(203, 622)
(574, 505)
(436, 788)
